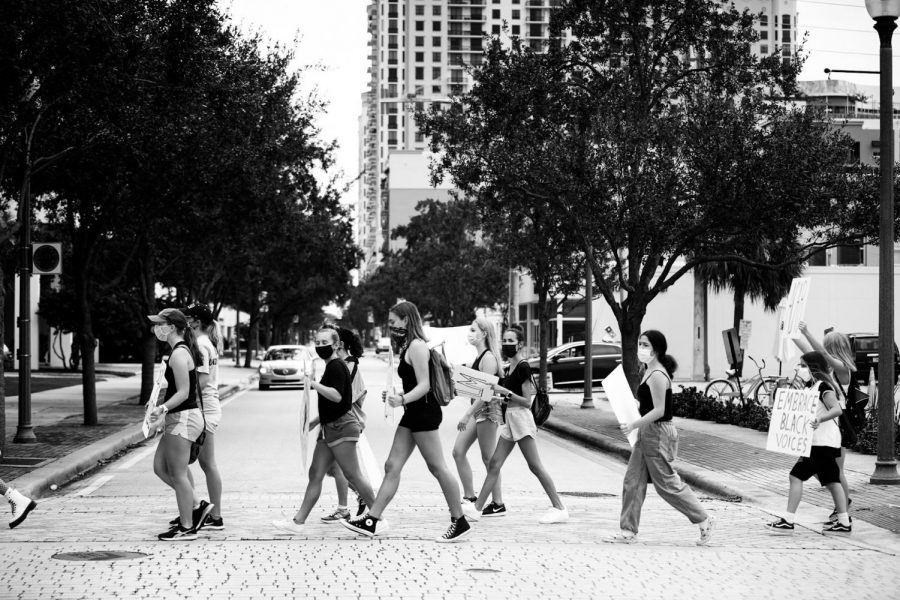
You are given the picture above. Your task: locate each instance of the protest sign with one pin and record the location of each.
(618, 392)
(149, 426)
(790, 430)
(472, 383)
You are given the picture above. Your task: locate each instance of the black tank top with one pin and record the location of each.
(645, 398)
(407, 374)
(171, 389)
(478, 360)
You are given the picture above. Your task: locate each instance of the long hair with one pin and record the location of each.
(819, 369)
(176, 319)
(490, 338)
(414, 328)
(351, 342)
(660, 346)
(838, 345)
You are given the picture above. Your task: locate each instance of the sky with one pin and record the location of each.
(333, 35)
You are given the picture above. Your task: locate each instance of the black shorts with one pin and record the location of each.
(822, 463)
(422, 415)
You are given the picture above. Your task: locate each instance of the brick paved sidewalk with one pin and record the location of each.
(738, 454)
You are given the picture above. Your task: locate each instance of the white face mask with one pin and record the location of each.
(162, 332)
(475, 337)
(804, 374)
(644, 355)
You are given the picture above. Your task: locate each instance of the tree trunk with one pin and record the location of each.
(544, 309)
(254, 330)
(738, 317)
(630, 328)
(148, 300)
(2, 363)
(148, 364)
(85, 335)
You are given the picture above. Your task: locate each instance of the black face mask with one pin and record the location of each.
(509, 350)
(398, 333)
(324, 352)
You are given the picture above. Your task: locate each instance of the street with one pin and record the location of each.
(122, 507)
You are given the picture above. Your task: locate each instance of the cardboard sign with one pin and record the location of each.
(147, 427)
(472, 383)
(305, 401)
(790, 430)
(622, 401)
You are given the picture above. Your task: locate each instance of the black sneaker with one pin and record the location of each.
(780, 526)
(837, 527)
(178, 533)
(494, 510)
(360, 506)
(470, 499)
(459, 529)
(361, 525)
(832, 518)
(195, 515)
(212, 522)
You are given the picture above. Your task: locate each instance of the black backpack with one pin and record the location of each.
(440, 376)
(540, 405)
(855, 406)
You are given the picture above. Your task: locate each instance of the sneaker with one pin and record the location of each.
(201, 513)
(289, 526)
(623, 537)
(178, 533)
(832, 518)
(494, 510)
(360, 506)
(554, 515)
(837, 527)
(195, 515)
(470, 499)
(780, 526)
(363, 525)
(459, 529)
(706, 534)
(471, 513)
(20, 506)
(215, 523)
(338, 515)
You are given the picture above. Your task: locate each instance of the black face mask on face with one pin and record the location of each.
(398, 334)
(509, 350)
(324, 352)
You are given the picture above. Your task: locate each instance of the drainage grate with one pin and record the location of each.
(99, 555)
(21, 462)
(588, 494)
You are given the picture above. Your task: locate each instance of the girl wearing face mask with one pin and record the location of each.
(826, 448)
(417, 429)
(652, 456)
(338, 434)
(184, 422)
(482, 420)
(516, 391)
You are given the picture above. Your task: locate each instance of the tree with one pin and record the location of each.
(629, 130)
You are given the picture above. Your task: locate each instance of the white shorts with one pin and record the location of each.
(212, 410)
(519, 424)
(187, 424)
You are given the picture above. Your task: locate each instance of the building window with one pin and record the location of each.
(436, 11)
(515, 29)
(495, 13)
(763, 20)
(516, 14)
(420, 40)
(818, 259)
(785, 36)
(534, 30)
(436, 42)
(435, 89)
(392, 57)
(849, 255)
(785, 21)
(495, 29)
(764, 35)
(420, 73)
(420, 137)
(435, 25)
(435, 72)
(420, 57)
(436, 57)
(392, 74)
(764, 49)
(420, 91)
(392, 121)
(392, 41)
(420, 9)
(420, 25)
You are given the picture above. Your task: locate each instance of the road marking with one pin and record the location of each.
(97, 484)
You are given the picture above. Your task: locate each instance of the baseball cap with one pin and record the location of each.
(199, 311)
(170, 316)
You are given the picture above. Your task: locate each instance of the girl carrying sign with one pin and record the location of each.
(826, 448)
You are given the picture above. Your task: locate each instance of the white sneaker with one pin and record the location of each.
(20, 505)
(706, 534)
(287, 525)
(472, 513)
(554, 515)
(623, 537)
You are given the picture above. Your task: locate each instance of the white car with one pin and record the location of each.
(283, 365)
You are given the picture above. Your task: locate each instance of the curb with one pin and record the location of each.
(67, 468)
(693, 476)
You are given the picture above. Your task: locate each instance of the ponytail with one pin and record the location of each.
(191, 340)
(660, 346)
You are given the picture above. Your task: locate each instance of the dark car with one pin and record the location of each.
(865, 348)
(565, 364)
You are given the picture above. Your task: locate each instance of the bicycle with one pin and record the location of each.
(761, 388)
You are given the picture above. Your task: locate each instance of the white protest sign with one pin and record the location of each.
(789, 428)
(618, 392)
(148, 426)
(780, 352)
(472, 383)
(304, 415)
(797, 305)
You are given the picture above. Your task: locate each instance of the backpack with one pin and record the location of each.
(856, 406)
(540, 405)
(440, 376)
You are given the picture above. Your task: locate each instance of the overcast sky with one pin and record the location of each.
(332, 33)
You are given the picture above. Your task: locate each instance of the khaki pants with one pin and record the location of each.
(651, 459)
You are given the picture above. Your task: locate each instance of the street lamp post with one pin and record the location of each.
(885, 13)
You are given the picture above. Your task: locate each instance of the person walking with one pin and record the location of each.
(516, 391)
(350, 351)
(656, 447)
(200, 320)
(183, 420)
(482, 420)
(338, 434)
(417, 429)
(19, 504)
(839, 354)
(826, 448)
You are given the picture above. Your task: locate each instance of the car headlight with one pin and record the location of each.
(263, 369)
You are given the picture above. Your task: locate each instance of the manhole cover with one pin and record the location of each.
(99, 555)
(588, 494)
(479, 570)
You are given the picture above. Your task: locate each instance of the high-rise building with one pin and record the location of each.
(777, 25)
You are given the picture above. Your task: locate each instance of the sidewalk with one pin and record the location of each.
(66, 448)
(730, 461)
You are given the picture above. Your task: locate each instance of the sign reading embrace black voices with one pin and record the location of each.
(790, 430)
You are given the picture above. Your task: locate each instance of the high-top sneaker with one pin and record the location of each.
(20, 506)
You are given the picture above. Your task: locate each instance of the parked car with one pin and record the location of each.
(382, 345)
(283, 365)
(565, 364)
(865, 348)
